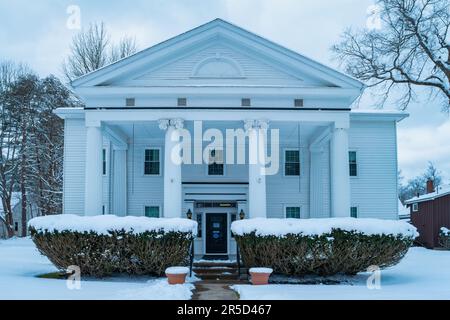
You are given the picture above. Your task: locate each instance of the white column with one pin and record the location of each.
(315, 184)
(172, 170)
(119, 172)
(340, 189)
(256, 130)
(94, 171)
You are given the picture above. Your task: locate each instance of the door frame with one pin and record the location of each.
(218, 210)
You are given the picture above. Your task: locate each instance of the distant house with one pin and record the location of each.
(429, 213)
(16, 205)
(403, 212)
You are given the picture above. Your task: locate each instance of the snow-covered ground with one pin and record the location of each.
(20, 263)
(422, 274)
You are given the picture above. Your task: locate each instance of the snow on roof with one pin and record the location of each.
(440, 192)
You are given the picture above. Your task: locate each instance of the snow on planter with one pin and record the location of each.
(317, 227)
(177, 270)
(261, 270)
(103, 225)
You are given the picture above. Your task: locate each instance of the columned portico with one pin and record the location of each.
(340, 179)
(94, 171)
(257, 132)
(172, 169)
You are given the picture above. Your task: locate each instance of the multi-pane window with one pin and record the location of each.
(182, 102)
(215, 164)
(292, 163)
(152, 162)
(152, 212)
(353, 164)
(104, 162)
(199, 218)
(354, 212)
(415, 207)
(293, 212)
(246, 102)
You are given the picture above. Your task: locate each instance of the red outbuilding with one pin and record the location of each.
(429, 213)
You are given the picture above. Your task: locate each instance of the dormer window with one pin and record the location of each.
(246, 102)
(182, 102)
(298, 103)
(130, 102)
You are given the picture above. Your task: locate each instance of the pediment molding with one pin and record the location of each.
(218, 67)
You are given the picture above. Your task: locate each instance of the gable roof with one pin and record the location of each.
(441, 191)
(215, 28)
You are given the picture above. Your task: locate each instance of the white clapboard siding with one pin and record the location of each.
(374, 191)
(74, 166)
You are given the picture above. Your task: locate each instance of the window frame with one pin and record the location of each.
(160, 162)
(223, 164)
(285, 150)
(415, 207)
(292, 205)
(357, 211)
(154, 206)
(356, 164)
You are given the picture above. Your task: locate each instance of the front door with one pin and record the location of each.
(216, 233)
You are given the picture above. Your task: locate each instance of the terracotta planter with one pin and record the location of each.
(176, 278)
(260, 276)
(177, 275)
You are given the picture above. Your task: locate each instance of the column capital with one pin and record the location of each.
(256, 124)
(164, 124)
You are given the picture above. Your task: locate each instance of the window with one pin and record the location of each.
(246, 102)
(293, 212)
(16, 226)
(199, 218)
(130, 102)
(415, 207)
(215, 164)
(104, 161)
(182, 102)
(292, 163)
(152, 212)
(152, 162)
(354, 212)
(103, 210)
(298, 103)
(353, 164)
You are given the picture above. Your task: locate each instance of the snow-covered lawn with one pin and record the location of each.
(423, 274)
(20, 263)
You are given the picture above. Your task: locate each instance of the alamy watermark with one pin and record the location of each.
(373, 21)
(73, 281)
(374, 280)
(74, 20)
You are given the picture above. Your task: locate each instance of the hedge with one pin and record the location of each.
(322, 247)
(101, 251)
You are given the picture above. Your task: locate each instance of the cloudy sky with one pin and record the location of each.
(36, 33)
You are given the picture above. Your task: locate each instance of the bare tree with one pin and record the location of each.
(9, 141)
(411, 50)
(92, 49)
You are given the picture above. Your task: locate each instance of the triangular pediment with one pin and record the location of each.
(217, 53)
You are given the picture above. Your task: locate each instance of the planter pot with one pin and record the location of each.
(177, 275)
(260, 276)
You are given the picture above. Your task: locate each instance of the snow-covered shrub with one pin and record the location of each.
(105, 245)
(444, 238)
(322, 246)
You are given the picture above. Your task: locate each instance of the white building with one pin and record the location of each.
(333, 161)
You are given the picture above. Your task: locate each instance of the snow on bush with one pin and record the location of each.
(317, 227)
(444, 238)
(104, 224)
(106, 245)
(322, 246)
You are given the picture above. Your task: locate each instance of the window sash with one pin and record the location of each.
(293, 213)
(152, 162)
(353, 164)
(151, 212)
(292, 163)
(215, 163)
